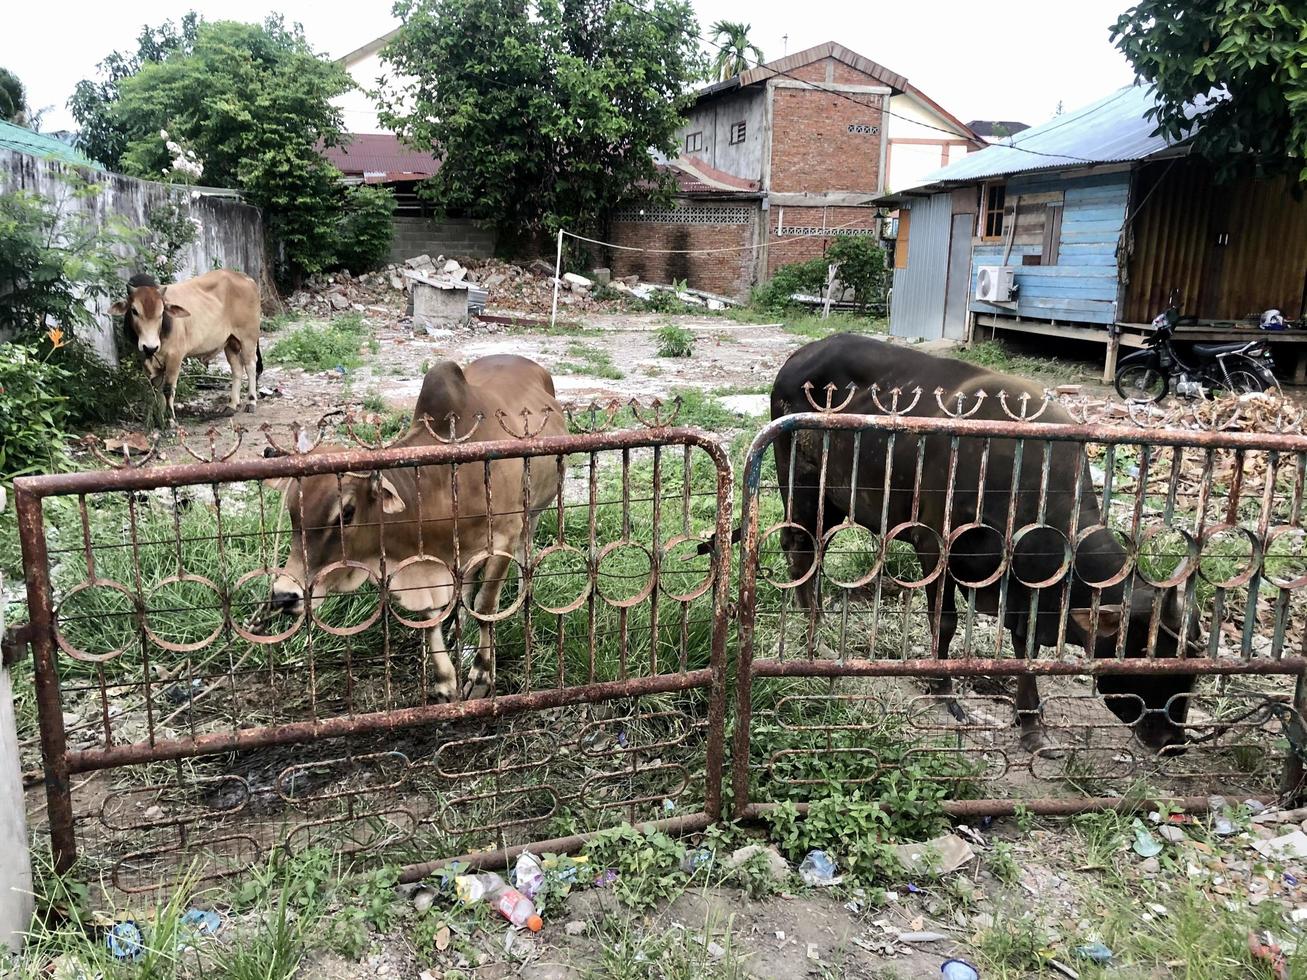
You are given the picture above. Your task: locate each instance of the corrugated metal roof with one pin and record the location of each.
(39, 145)
(1112, 130)
(380, 153)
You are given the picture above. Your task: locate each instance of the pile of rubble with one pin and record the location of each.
(509, 287)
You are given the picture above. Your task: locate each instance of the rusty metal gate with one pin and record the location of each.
(1148, 572)
(239, 654)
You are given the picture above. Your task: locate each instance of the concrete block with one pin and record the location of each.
(604, 276)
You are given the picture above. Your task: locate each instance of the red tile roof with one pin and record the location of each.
(380, 156)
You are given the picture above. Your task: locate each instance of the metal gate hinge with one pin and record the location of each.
(14, 643)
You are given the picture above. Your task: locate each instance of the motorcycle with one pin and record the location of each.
(1207, 369)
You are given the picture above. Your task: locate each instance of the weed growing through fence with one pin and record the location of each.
(675, 341)
(324, 346)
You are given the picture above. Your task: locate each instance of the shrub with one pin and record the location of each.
(365, 229)
(674, 341)
(860, 265)
(169, 231)
(33, 411)
(796, 277)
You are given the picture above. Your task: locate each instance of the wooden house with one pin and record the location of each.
(1080, 228)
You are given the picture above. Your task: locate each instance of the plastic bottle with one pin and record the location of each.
(507, 901)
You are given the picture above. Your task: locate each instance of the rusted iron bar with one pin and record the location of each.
(313, 464)
(1013, 666)
(691, 823)
(1043, 806)
(380, 721)
(49, 702)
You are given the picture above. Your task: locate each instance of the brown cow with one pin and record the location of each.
(407, 514)
(218, 311)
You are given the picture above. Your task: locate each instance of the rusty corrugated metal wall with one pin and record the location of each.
(1232, 250)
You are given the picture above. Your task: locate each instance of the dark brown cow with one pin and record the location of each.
(846, 359)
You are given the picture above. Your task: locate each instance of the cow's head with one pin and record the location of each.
(1156, 705)
(147, 314)
(335, 518)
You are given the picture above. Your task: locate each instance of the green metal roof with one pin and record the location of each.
(39, 145)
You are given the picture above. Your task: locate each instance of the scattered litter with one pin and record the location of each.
(946, 854)
(1066, 971)
(854, 906)
(1291, 845)
(442, 938)
(507, 901)
(1095, 952)
(812, 952)
(605, 878)
(1264, 947)
(1145, 845)
(574, 928)
(528, 874)
(69, 967)
(891, 896)
(696, 859)
(125, 941)
(669, 806)
(972, 835)
(819, 870)
(203, 921)
(958, 970)
(1298, 915)
(716, 950)
(925, 936)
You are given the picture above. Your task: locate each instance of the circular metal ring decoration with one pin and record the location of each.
(264, 638)
(1003, 557)
(313, 591)
(574, 604)
(645, 590)
(702, 586)
(866, 579)
(395, 605)
(927, 576)
(1283, 531)
(223, 605)
(1062, 569)
(1254, 555)
(83, 655)
(1183, 570)
(777, 528)
(1127, 545)
(469, 572)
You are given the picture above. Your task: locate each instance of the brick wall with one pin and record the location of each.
(727, 273)
(801, 249)
(813, 147)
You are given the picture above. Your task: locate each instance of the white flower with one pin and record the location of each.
(163, 134)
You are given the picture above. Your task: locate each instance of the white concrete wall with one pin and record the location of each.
(925, 149)
(360, 111)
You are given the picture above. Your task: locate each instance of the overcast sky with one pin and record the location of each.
(1002, 59)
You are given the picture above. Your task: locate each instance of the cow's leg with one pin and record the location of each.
(1034, 737)
(250, 359)
(237, 375)
(444, 687)
(172, 369)
(481, 675)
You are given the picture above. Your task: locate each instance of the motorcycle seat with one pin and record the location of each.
(1213, 350)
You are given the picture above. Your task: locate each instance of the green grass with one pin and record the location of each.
(590, 360)
(324, 346)
(996, 356)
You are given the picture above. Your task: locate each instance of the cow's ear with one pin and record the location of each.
(177, 312)
(391, 502)
(119, 308)
(1109, 620)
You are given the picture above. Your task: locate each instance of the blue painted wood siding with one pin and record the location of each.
(1082, 286)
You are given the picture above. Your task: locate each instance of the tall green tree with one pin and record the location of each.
(251, 105)
(13, 99)
(1239, 64)
(735, 52)
(543, 112)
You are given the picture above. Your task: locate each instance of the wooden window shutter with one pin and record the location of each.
(1052, 233)
(901, 243)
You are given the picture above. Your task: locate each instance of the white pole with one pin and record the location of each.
(830, 282)
(558, 275)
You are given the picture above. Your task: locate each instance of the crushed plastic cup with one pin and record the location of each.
(125, 941)
(528, 874)
(818, 870)
(958, 970)
(1145, 845)
(1094, 952)
(203, 921)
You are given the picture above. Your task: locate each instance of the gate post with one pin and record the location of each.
(16, 899)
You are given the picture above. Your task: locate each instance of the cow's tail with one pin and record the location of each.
(710, 545)
(258, 359)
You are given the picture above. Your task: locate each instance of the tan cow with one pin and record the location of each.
(218, 311)
(343, 524)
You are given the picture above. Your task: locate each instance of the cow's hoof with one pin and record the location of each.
(956, 710)
(939, 686)
(444, 693)
(1036, 741)
(477, 687)
(229, 410)
(249, 407)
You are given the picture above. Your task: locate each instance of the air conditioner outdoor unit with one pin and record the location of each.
(996, 283)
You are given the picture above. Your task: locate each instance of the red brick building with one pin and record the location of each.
(777, 159)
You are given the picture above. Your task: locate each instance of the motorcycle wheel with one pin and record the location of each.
(1241, 381)
(1141, 383)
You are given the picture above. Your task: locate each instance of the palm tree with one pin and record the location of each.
(735, 51)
